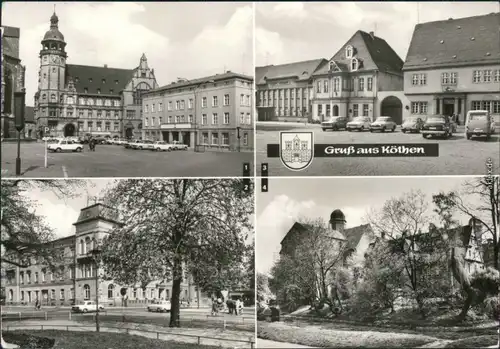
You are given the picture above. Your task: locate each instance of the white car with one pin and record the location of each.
(86, 306)
(176, 145)
(161, 146)
(359, 123)
(160, 307)
(65, 145)
(142, 145)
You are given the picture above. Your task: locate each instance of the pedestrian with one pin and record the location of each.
(36, 304)
(240, 307)
(214, 306)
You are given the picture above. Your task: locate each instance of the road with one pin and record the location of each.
(457, 155)
(264, 343)
(116, 161)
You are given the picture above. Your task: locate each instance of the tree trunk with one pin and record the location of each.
(176, 293)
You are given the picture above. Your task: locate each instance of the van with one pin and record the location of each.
(478, 123)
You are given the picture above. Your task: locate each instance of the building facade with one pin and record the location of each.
(13, 75)
(284, 92)
(78, 100)
(350, 82)
(215, 112)
(453, 66)
(74, 278)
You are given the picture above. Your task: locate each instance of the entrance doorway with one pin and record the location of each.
(392, 106)
(129, 132)
(175, 136)
(186, 138)
(335, 110)
(69, 130)
(166, 136)
(448, 107)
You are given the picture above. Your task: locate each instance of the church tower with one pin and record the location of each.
(51, 76)
(337, 221)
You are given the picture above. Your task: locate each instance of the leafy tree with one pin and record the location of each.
(173, 226)
(25, 236)
(263, 291)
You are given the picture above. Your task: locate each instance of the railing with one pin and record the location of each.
(198, 339)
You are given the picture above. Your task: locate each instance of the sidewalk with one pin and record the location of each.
(38, 170)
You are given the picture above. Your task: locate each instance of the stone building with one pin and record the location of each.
(211, 112)
(74, 278)
(453, 66)
(78, 100)
(13, 74)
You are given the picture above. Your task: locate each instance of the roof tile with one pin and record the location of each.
(98, 80)
(299, 70)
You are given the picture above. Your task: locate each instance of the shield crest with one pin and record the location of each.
(296, 150)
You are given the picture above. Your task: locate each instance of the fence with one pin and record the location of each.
(190, 338)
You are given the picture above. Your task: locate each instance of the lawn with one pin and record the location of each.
(474, 342)
(89, 340)
(315, 336)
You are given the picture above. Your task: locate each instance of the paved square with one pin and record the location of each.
(117, 161)
(457, 155)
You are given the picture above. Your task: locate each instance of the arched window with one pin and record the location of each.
(88, 245)
(349, 52)
(139, 90)
(53, 97)
(44, 97)
(332, 66)
(111, 289)
(11, 295)
(86, 291)
(354, 64)
(82, 247)
(140, 126)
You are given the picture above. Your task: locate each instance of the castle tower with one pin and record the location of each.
(337, 221)
(51, 77)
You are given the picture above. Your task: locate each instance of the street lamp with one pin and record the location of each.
(96, 253)
(197, 86)
(19, 108)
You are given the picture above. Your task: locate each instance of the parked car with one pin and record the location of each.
(382, 124)
(334, 123)
(162, 146)
(479, 123)
(359, 123)
(145, 144)
(159, 306)
(176, 145)
(86, 306)
(65, 145)
(131, 142)
(438, 125)
(412, 124)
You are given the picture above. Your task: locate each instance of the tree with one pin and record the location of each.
(25, 235)
(263, 291)
(402, 222)
(173, 226)
(486, 192)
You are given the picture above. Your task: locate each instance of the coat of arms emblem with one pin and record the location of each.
(296, 150)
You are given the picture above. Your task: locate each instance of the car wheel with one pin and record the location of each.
(403, 130)
(58, 150)
(362, 129)
(158, 310)
(78, 149)
(158, 149)
(371, 131)
(383, 129)
(84, 310)
(393, 129)
(424, 135)
(140, 148)
(324, 129)
(468, 135)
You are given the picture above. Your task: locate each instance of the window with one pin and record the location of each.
(28, 277)
(177, 105)
(61, 294)
(497, 76)
(70, 100)
(160, 106)
(419, 79)
(152, 108)
(204, 102)
(53, 98)
(325, 86)
(349, 52)
(183, 104)
(107, 102)
(423, 79)
(204, 119)
(215, 138)
(365, 109)
(476, 76)
(226, 118)
(177, 119)
(248, 100)
(98, 91)
(318, 87)
(70, 271)
(86, 291)
(249, 119)
(215, 101)
(242, 118)
(245, 138)
(445, 78)
(419, 107)
(36, 277)
(476, 105)
(355, 110)
(331, 66)
(487, 76)
(354, 64)
(226, 99)
(336, 84)
(107, 126)
(111, 288)
(361, 82)
(495, 108)
(169, 106)
(190, 119)
(453, 78)
(205, 138)
(52, 294)
(485, 105)
(328, 110)
(225, 139)
(145, 108)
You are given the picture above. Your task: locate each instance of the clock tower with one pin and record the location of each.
(51, 79)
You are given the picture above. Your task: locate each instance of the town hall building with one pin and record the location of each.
(78, 100)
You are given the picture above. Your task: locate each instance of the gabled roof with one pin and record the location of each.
(10, 41)
(374, 53)
(354, 235)
(208, 79)
(97, 211)
(110, 81)
(455, 42)
(301, 71)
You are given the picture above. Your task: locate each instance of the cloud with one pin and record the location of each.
(58, 215)
(292, 10)
(272, 225)
(269, 47)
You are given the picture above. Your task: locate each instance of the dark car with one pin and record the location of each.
(335, 123)
(438, 125)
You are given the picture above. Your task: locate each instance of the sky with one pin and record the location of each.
(296, 31)
(180, 40)
(291, 199)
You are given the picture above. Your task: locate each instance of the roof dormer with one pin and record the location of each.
(354, 64)
(333, 67)
(349, 51)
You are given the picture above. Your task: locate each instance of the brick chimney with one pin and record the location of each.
(372, 34)
(105, 65)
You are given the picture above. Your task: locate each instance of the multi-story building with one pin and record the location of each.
(363, 78)
(453, 66)
(13, 74)
(284, 92)
(74, 276)
(213, 112)
(75, 100)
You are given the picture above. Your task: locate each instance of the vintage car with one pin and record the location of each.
(162, 146)
(65, 145)
(159, 306)
(176, 145)
(382, 124)
(86, 306)
(334, 123)
(359, 123)
(412, 124)
(144, 144)
(479, 123)
(131, 142)
(438, 125)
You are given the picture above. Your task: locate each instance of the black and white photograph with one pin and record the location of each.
(127, 89)
(377, 88)
(401, 262)
(132, 263)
